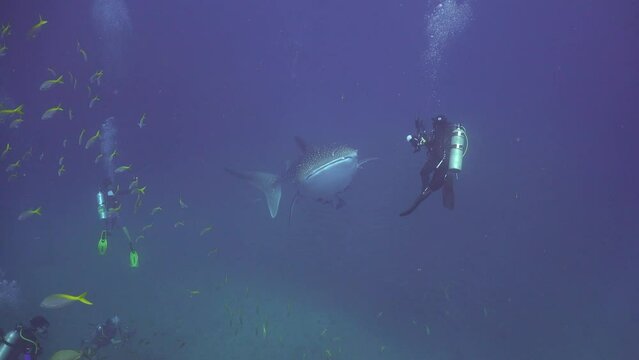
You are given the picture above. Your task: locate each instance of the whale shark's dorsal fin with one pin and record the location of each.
(302, 145)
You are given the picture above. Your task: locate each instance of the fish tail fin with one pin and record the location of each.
(82, 299)
(38, 211)
(19, 110)
(268, 183)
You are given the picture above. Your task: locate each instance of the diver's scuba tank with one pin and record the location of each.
(458, 148)
(9, 340)
(102, 210)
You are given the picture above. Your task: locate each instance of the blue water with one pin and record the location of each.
(539, 259)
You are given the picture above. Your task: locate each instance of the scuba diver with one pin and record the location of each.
(446, 145)
(107, 333)
(22, 342)
(109, 207)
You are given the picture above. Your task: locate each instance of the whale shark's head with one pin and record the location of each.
(323, 173)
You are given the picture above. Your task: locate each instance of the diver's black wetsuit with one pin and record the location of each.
(437, 143)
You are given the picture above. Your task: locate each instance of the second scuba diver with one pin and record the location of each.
(109, 211)
(446, 145)
(107, 333)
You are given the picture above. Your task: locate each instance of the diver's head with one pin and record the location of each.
(39, 324)
(105, 184)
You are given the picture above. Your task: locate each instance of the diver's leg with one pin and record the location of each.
(427, 169)
(448, 194)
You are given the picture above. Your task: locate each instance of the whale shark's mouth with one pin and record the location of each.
(328, 166)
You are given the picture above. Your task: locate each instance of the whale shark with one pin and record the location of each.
(320, 173)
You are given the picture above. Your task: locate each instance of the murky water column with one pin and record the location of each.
(447, 19)
(113, 27)
(107, 146)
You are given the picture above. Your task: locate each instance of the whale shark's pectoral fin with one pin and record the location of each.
(269, 184)
(338, 202)
(361, 163)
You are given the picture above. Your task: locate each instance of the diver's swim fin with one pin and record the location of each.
(423, 196)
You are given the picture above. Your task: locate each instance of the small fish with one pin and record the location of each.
(134, 183)
(13, 167)
(29, 213)
(156, 210)
(35, 29)
(70, 114)
(50, 83)
(93, 101)
(64, 143)
(27, 155)
(139, 191)
(57, 301)
(141, 123)
(61, 170)
(50, 112)
(60, 160)
(140, 237)
(178, 224)
(6, 30)
(16, 123)
(52, 72)
(7, 148)
(92, 140)
(183, 205)
(81, 136)
(205, 230)
(3, 50)
(113, 155)
(97, 158)
(96, 78)
(194, 292)
(146, 227)
(82, 52)
(213, 252)
(122, 169)
(18, 110)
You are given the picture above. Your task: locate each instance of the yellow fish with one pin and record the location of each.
(57, 301)
(67, 355)
(28, 213)
(18, 110)
(37, 27)
(92, 140)
(122, 169)
(6, 30)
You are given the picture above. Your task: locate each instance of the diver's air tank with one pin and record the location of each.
(458, 146)
(10, 339)
(102, 210)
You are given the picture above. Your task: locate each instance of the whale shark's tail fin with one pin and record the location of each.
(269, 184)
